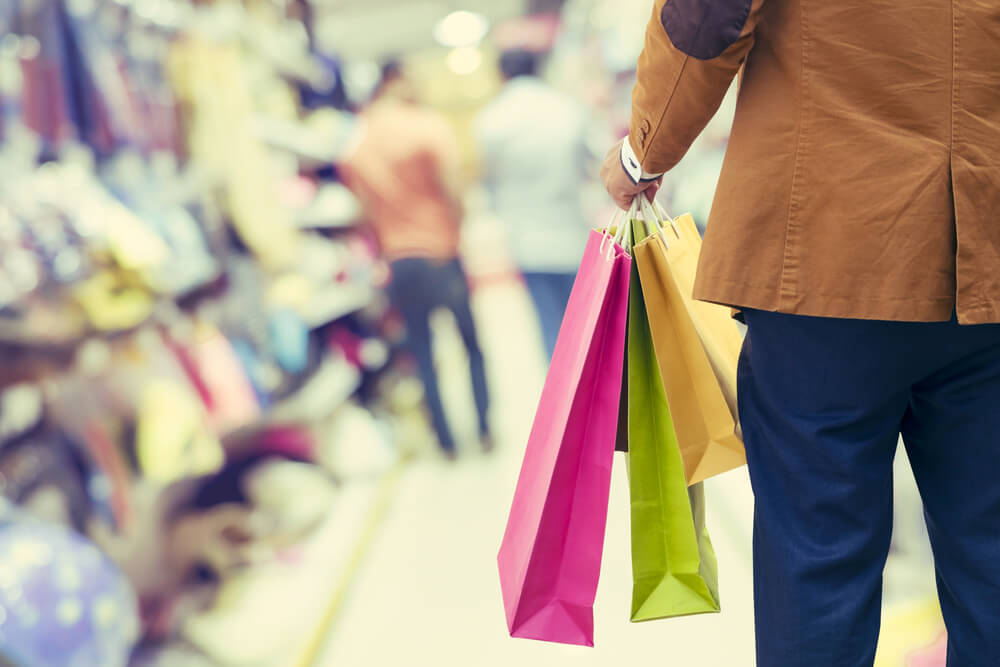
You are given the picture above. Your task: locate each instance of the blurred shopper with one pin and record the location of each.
(404, 170)
(856, 225)
(532, 142)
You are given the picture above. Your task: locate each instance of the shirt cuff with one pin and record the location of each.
(631, 165)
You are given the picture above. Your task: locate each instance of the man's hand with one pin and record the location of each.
(619, 184)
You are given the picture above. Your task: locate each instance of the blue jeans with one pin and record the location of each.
(822, 402)
(550, 292)
(418, 287)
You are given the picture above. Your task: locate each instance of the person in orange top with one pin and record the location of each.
(404, 170)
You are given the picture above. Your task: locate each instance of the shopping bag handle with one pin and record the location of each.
(623, 232)
(663, 215)
(656, 215)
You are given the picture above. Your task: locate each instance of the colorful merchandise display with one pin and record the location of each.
(194, 373)
(62, 600)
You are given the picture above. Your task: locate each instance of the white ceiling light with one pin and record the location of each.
(461, 28)
(464, 60)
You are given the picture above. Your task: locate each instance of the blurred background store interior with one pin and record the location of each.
(217, 443)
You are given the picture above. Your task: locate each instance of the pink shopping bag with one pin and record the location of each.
(550, 558)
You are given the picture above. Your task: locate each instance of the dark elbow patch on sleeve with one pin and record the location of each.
(704, 29)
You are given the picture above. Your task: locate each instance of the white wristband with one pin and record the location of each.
(631, 165)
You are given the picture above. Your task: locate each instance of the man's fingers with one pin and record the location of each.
(618, 183)
(623, 197)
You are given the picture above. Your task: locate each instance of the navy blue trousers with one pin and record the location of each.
(822, 402)
(420, 286)
(550, 292)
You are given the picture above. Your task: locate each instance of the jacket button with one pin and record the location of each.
(645, 126)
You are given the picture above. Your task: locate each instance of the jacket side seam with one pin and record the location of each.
(952, 142)
(788, 285)
(954, 81)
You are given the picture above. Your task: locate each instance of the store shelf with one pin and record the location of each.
(335, 302)
(310, 144)
(332, 384)
(333, 208)
(289, 604)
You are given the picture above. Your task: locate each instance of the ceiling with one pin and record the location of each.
(374, 29)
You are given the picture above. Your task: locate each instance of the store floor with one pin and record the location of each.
(427, 593)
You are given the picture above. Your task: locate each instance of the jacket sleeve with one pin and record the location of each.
(692, 51)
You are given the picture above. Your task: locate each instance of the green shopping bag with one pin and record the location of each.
(674, 569)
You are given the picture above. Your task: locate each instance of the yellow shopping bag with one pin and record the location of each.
(697, 349)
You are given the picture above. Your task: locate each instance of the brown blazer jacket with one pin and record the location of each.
(862, 177)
